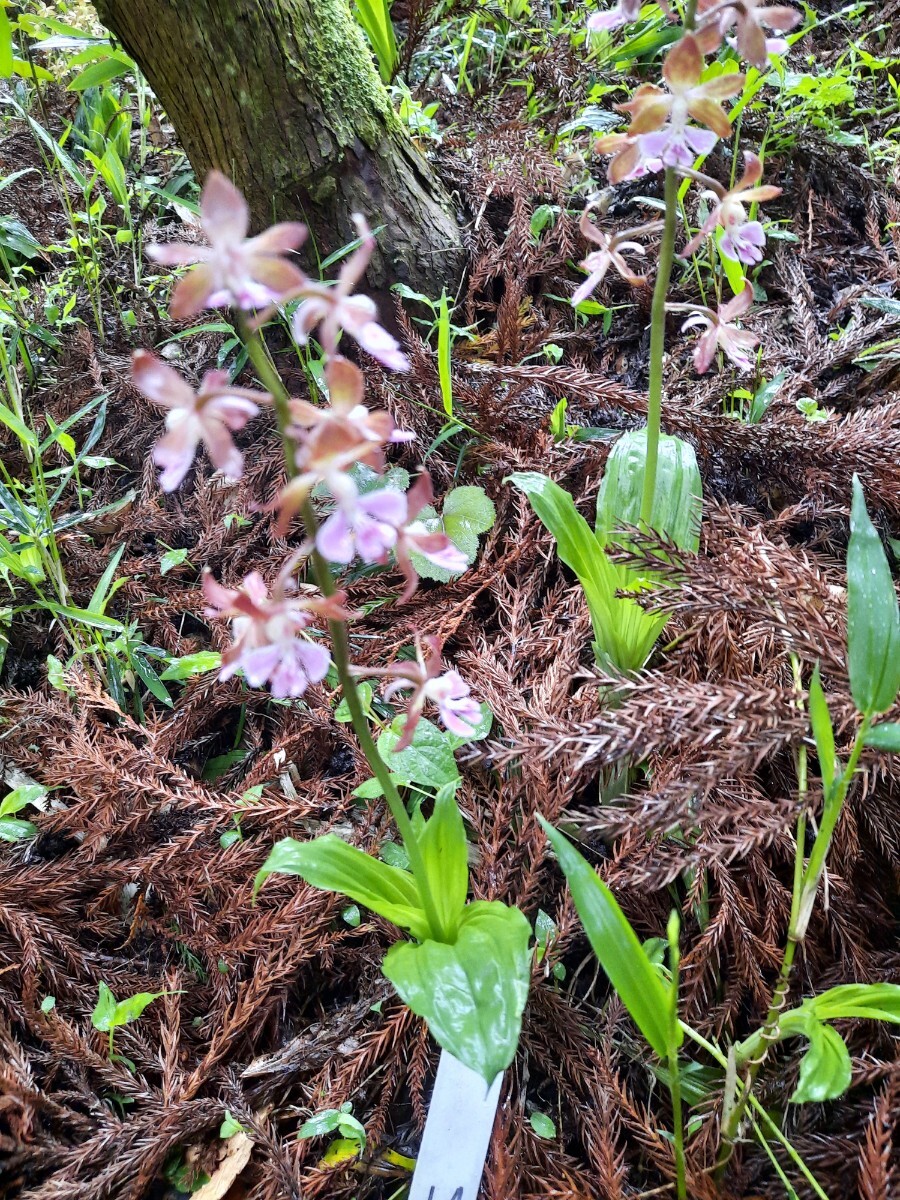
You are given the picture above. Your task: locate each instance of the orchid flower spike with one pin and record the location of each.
(233, 269)
(660, 118)
(598, 262)
(742, 240)
(721, 332)
(336, 308)
(267, 629)
(459, 712)
(208, 416)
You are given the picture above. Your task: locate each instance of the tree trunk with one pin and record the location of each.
(283, 97)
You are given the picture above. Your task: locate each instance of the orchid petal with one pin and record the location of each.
(159, 382)
(223, 210)
(195, 291)
(683, 65)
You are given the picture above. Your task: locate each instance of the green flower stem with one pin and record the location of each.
(755, 1049)
(673, 930)
(658, 344)
(271, 380)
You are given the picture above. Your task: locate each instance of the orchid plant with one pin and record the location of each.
(673, 126)
(467, 970)
(652, 479)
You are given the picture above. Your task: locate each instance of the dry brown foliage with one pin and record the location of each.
(273, 1017)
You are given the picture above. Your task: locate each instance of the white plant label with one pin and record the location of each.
(457, 1133)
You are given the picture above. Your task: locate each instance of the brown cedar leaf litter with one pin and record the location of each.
(271, 1013)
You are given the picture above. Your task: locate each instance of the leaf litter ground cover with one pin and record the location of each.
(155, 822)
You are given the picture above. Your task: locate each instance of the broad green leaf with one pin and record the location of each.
(765, 395)
(375, 18)
(825, 1067)
(677, 503)
(21, 797)
(615, 943)
(16, 236)
(352, 1129)
(101, 72)
(30, 70)
(446, 855)
(323, 1122)
(6, 44)
(823, 731)
(542, 1125)
(130, 1009)
(867, 1001)
(25, 435)
(625, 634)
(428, 760)
(102, 1016)
(471, 992)
(467, 512)
(873, 619)
(885, 737)
(83, 617)
(14, 830)
(150, 680)
(330, 864)
(558, 428)
(172, 559)
(230, 1126)
(193, 664)
(468, 507)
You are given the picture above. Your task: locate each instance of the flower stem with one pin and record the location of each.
(658, 344)
(340, 642)
(806, 885)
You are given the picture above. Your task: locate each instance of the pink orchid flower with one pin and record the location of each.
(721, 332)
(233, 269)
(751, 18)
(374, 523)
(267, 630)
(414, 536)
(626, 12)
(630, 159)
(333, 437)
(742, 240)
(208, 416)
(459, 712)
(660, 118)
(360, 524)
(598, 262)
(335, 308)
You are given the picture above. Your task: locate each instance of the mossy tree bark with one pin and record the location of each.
(283, 97)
